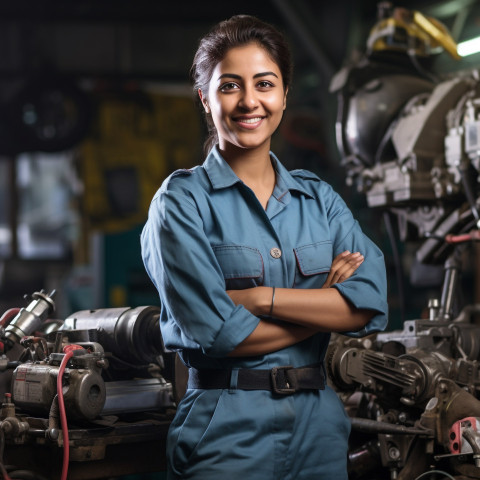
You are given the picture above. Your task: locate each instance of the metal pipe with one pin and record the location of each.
(373, 426)
(452, 268)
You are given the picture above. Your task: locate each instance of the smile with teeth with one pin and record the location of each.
(250, 123)
(250, 120)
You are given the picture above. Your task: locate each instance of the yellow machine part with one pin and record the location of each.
(412, 31)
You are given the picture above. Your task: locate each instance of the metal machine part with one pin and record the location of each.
(132, 334)
(410, 379)
(414, 394)
(410, 141)
(34, 385)
(101, 378)
(465, 437)
(125, 396)
(411, 398)
(428, 156)
(29, 319)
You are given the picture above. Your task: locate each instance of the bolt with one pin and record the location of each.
(53, 434)
(394, 453)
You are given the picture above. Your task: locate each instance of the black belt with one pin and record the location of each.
(283, 380)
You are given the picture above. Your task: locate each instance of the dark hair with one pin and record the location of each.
(237, 31)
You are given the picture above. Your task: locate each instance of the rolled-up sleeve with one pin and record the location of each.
(196, 310)
(367, 287)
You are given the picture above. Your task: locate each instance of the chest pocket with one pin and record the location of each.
(313, 264)
(242, 267)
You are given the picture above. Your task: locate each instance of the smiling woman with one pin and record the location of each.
(246, 99)
(255, 267)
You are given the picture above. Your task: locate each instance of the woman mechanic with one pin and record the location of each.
(255, 267)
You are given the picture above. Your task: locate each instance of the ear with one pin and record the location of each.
(285, 99)
(203, 99)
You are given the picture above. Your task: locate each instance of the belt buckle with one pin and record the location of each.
(290, 382)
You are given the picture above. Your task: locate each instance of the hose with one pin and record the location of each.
(8, 315)
(68, 351)
(4, 472)
(465, 237)
(63, 415)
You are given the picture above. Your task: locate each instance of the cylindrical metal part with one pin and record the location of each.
(132, 334)
(8, 408)
(29, 319)
(128, 395)
(34, 388)
(433, 307)
(452, 269)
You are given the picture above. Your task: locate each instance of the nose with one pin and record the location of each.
(248, 100)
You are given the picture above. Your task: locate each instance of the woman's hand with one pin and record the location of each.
(343, 267)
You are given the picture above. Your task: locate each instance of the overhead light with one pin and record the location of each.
(469, 47)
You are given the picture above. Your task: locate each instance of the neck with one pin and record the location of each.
(254, 168)
(250, 165)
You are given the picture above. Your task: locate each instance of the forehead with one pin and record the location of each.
(247, 60)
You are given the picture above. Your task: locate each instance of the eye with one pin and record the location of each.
(226, 87)
(264, 84)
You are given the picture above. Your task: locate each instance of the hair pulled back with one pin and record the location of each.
(237, 31)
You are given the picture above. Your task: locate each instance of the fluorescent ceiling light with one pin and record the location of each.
(469, 47)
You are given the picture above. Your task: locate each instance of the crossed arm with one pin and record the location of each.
(299, 309)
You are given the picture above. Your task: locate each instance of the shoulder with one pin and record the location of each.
(183, 181)
(305, 175)
(182, 178)
(312, 183)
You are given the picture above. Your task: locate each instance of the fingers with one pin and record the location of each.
(347, 267)
(343, 267)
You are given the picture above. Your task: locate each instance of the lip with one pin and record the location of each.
(250, 122)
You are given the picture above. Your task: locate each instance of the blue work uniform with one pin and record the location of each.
(208, 233)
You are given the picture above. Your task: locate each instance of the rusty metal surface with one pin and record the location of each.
(101, 452)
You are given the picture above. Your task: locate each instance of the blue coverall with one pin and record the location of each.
(207, 233)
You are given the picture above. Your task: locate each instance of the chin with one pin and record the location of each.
(251, 143)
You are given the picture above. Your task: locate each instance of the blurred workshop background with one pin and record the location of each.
(96, 109)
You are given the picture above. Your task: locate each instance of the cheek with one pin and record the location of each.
(275, 105)
(276, 109)
(221, 110)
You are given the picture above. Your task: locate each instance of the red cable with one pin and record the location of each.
(465, 237)
(63, 415)
(68, 350)
(4, 473)
(8, 315)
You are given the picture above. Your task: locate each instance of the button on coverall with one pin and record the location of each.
(207, 233)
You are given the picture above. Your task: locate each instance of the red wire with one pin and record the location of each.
(5, 474)
(63, 415)
(8, 315)
(465, 237)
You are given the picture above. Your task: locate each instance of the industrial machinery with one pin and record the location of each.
(83, 396)
(410, 142)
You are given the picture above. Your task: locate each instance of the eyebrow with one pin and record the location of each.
(238, 77)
